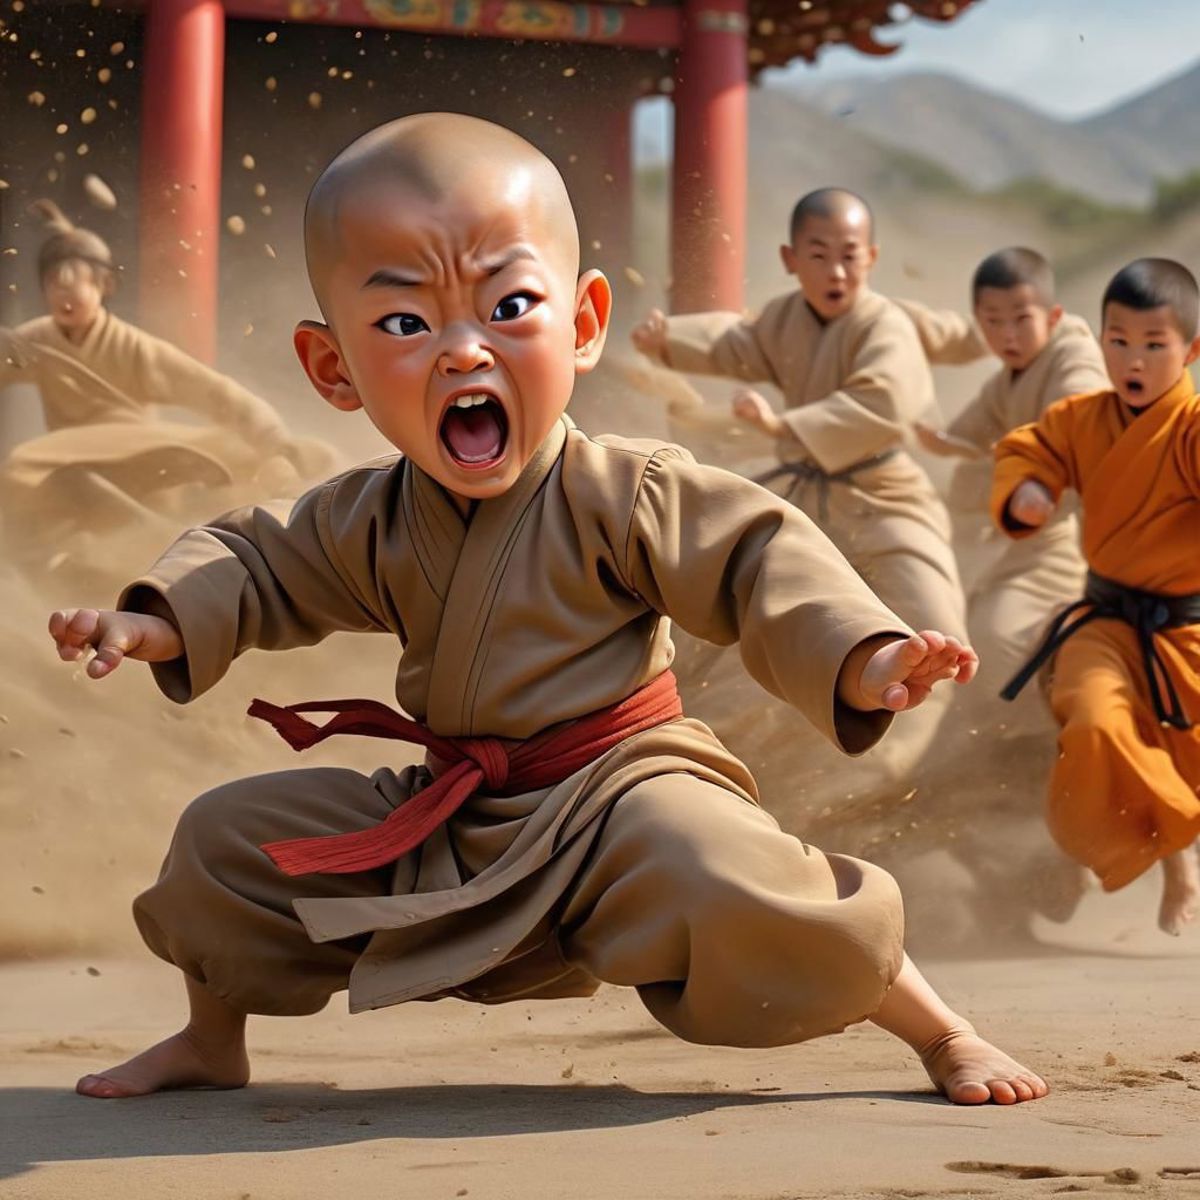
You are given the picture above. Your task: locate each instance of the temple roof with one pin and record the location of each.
(783, 30)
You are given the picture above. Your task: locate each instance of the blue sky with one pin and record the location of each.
(1069, 58)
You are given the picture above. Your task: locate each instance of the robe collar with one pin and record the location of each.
(471, 559)
(1116, 490)
(90, 339)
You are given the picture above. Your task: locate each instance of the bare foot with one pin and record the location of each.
(969, 1070)
(180, 1061)
(1181, 891)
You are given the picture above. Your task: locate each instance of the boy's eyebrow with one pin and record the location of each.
(493, 266)
(386, 277)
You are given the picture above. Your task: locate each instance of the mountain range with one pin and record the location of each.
(990, 140)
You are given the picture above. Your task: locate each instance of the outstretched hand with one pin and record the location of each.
(754, 408)
(1031, 504)
(15, 350)
(900, 674)
(650, 336)
(114, 636)
(931, 439)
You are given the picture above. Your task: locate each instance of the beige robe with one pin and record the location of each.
(652, 867)
(101, 401)
(850, 389)
(1030, 580)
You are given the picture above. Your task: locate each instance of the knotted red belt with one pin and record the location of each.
(506, 768)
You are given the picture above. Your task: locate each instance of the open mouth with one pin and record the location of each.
(474, 430)
(1135, 387)
(835, 295)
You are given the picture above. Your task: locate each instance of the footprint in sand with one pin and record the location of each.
(1020, 1171)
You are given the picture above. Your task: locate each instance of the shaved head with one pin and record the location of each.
(1012, 267)
(442, 159)
(831, 203)
(1157, 283)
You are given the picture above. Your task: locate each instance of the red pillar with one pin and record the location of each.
(181, 171)
(708, 226)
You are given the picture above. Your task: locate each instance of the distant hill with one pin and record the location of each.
(990, 140)
(1162, 123)
(986, 139)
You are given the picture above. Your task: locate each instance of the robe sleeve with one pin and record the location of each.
(18, 357)
(884, 391)
(1189, 456)
(947, 337)
(1041, 451)
(980, 423)
(1074, 376)
(167, 375)
(269, 579)
(718, 343)
(728, 561)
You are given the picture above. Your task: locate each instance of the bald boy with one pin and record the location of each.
(853, 378)
(569, 825)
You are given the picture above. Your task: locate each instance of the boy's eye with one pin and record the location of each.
(1155, 345)
(1116, 341)
(402, 324)
(514, 306)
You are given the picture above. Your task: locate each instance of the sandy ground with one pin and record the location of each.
(590, 1099)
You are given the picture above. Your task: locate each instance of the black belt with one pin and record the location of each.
(811, 473)
(1147, 612)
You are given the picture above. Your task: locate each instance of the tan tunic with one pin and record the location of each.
(101, 403)
(947, 337)
(851, 388)
(550, 602)
(141, 372)
(1032, 579)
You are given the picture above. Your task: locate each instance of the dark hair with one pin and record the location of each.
(828, 202)
(1012, 267)
(65, 241)
(1157, 283)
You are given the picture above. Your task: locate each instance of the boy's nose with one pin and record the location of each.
(463, 355)
(839, 271)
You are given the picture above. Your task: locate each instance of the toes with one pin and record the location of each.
(99, 1087)
(1021, 1089)
(1002, 1091)
(967, 1092)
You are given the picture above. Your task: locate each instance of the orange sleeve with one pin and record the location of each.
(1041, 451)
(1189, 459)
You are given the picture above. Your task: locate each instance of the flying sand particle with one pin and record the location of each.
(99, 192)
(236, 225)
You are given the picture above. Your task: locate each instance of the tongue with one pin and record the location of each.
(474, 435)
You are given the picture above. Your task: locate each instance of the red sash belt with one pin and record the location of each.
(469, 764)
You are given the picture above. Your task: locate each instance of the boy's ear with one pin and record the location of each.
(593, 311)
(1193, 352)
(1053, 316)
(321, 358)
(788, 257)
(872, 255)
